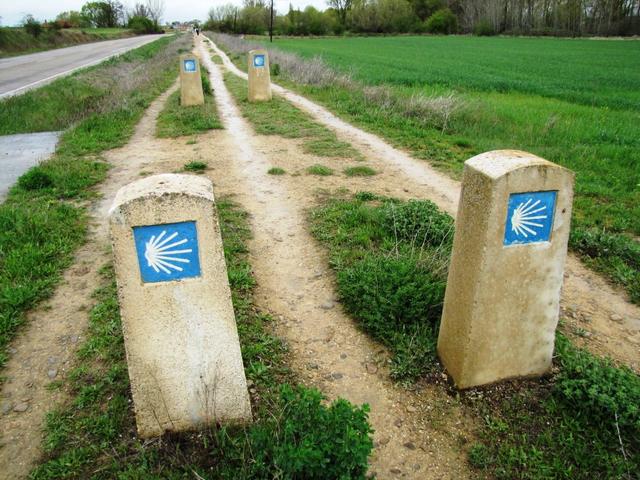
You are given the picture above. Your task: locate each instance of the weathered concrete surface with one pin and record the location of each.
(18, 153)
(22, 73)
(502, 301)
(190, 81)
(259, 76)
(181, 340)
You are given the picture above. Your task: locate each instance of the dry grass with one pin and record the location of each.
(431, 110)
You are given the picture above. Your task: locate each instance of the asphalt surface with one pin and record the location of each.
(19, 74)
(18, 153)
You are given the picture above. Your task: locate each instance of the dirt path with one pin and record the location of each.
(44, 351)
(417, 434)
(607, 323)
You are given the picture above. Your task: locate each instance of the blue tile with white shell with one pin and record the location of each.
(167, 252)
(529, 217)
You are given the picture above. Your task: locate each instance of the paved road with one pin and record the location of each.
(18, 74)
(18, 153)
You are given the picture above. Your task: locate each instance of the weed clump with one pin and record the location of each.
(360, 171)
(419, 221)
(391, 272)
(195, 166)
(276, 171)
(319, 170)
(302, 443)
(35, 179)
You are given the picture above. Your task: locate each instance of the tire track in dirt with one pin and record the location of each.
(45, 349)
(416, 435)
(589, 303)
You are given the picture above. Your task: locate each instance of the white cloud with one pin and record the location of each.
(12, 12)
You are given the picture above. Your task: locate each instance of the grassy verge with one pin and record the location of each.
(295, 435)
(44, 218)
(90, 92)
(466, 112)
(15, 41)
(279, 117)
(177, 121)
(390, 260)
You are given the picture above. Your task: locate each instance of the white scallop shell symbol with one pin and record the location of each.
(160, 256)
(524, 218)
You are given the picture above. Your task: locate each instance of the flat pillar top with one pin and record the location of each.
(164, 184)
(497, 163)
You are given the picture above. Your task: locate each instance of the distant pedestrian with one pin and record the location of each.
(197, 31)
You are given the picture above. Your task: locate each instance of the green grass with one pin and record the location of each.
(320, 170)
(178, 121)
(359, 171)
(15, 41)
(294, 435)
(44, 218)
(572, 425)
(390, 271)
(573, 102)
(390, 260)
(276, 171)
(279, 117)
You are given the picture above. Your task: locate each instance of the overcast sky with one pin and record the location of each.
(12, 11)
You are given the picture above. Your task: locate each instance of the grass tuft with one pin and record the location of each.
(359, 171)
(320, 170)
(195, 166)
(276, 171)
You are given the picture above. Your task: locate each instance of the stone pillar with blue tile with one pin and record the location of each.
(503, 291)
(183, 351)
(191, 92)
(259, 88)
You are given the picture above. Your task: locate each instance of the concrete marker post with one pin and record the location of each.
(510, 245)
(183, 351)
(259, 76)
(190, 82)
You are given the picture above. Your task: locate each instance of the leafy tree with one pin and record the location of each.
(105, 14)
(32, 26)
(72, 19)
(342, 7)
(442, 21)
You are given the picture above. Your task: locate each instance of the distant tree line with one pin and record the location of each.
(142, 18)
(481, 17)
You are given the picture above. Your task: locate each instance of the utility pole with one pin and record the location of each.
(271, 24)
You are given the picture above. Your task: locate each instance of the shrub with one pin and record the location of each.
(419, 221)
(442, 21)
(484, 28)
(310, 440)
(32, 26)
(141, 24)
(388, 293)
(35, 179)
